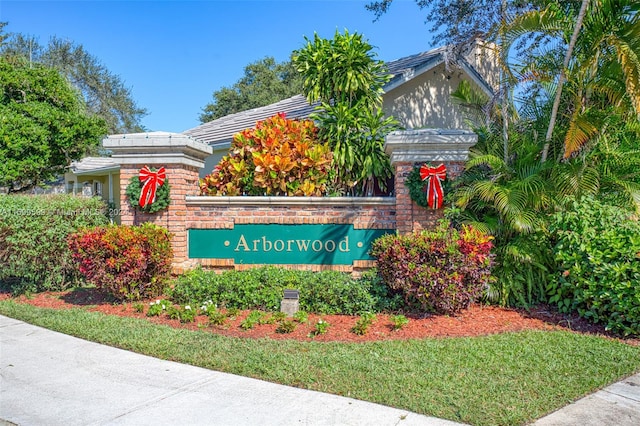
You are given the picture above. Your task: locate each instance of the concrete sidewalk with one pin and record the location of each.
(615, 405)
(48, 378)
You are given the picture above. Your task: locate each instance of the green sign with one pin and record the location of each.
(285, 244)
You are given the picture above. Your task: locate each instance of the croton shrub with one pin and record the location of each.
(441, 270)
(128, 262)
(278, 157)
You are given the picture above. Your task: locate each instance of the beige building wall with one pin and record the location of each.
(425, 101)
(484, 58)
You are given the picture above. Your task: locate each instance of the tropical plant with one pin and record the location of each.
(357, 138)
(341, 71)
(509, 201)
(277, 157)
(344, 76)
(441, 270)
(600, 69)
(129, 263)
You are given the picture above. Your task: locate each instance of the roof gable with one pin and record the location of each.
(406, 69)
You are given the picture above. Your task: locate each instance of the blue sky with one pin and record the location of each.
(174, 54)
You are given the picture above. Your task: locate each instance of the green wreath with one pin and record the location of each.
(418, 187)
(162, 196)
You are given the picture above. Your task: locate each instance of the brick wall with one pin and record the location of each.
(189, 211)
(226, 212)
(182, 157)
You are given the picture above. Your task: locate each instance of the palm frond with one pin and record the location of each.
(575, 179)
(581, 130)
(494, 162)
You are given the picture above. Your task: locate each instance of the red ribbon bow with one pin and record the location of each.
(151, 181)
(434, 177)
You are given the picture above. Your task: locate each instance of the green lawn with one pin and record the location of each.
(505, 379)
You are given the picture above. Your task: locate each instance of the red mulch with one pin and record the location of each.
(477, 320)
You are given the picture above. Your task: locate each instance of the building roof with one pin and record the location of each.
(94, 166)
(219, 132)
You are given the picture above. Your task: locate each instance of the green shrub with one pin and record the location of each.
(187, 314)
(128, 262)
(301, 317)
(279, 316)
(286, 326)
(442, 270)
(33, 239)
(258, 288)
(399, 321)
(327, 292)
(597, 248)
(252, 319)
(321, 327)
(363, 323)
(158, 307)
(216, 317)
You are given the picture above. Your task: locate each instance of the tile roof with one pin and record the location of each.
(93, 165)
(221, 130)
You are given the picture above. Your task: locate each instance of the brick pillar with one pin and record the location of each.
(415, 147)
(182, 157)
(404, 204)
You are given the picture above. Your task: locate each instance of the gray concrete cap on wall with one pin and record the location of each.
(429, 145)
(157, 148)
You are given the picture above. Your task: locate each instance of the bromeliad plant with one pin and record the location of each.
(277, 157)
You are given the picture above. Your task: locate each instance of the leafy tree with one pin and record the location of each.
(3, 36)
(105, 93)
(459, 22)
(264, 82)
(344, 75)
(44, 124)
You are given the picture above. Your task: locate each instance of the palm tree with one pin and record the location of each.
(602, 58)
(562, 77)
